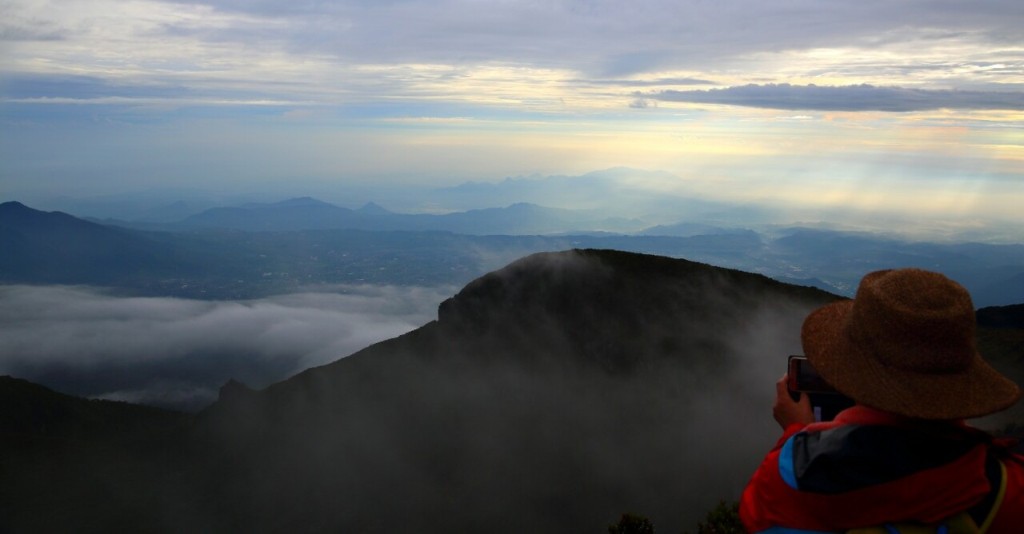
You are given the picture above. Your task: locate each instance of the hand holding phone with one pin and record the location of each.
(788, 409)
(826, 402)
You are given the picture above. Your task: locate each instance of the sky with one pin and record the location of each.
(873, 104)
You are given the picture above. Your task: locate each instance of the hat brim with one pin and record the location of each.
(976, 391)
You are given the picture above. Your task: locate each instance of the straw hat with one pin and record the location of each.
(906, 345)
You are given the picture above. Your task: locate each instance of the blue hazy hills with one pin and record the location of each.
(260, 249)
(310, 214)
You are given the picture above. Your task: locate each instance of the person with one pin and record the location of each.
(904, 350)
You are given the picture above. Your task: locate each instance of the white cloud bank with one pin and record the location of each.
(176, 353)
(845, 98)
(492, 53)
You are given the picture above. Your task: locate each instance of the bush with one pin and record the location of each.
(632, 524)
(723, 519)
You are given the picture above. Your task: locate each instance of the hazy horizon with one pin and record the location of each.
(640, 196)
(879, 107)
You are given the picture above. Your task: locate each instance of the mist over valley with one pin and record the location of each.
(551, 395)
(298, 365)
(165, 317)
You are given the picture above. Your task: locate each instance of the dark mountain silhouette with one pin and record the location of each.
(32, 411)
(1001, 341)
(70, 464)
(548, 396)
(1002, 317)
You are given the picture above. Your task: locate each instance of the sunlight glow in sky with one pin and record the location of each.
(915, 105)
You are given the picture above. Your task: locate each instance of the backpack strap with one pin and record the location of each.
(994, 499)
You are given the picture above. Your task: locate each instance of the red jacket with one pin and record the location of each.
(869, 467)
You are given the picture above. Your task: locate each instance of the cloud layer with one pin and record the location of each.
(845, 98)
(218, 52)
(107, 96)
(177, 353)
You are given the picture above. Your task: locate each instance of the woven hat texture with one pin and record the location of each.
(906, 344)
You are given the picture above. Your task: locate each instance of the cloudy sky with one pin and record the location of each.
(869, 103)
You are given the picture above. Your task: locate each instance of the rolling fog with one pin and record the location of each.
(503, 417)
(510, 422)
(176, 353)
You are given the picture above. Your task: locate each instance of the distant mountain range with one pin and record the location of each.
(310, 214)
(221, 253)
(623, 200)
(611, 193)
(549, 396)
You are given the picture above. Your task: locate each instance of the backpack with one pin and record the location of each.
(966, 522)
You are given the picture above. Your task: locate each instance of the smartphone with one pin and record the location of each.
(801, 377)
(804, 378)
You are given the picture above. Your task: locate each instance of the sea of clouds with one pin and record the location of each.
(176, 353)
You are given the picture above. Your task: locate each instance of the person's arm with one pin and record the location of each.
(788, 412)
(757, 504)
